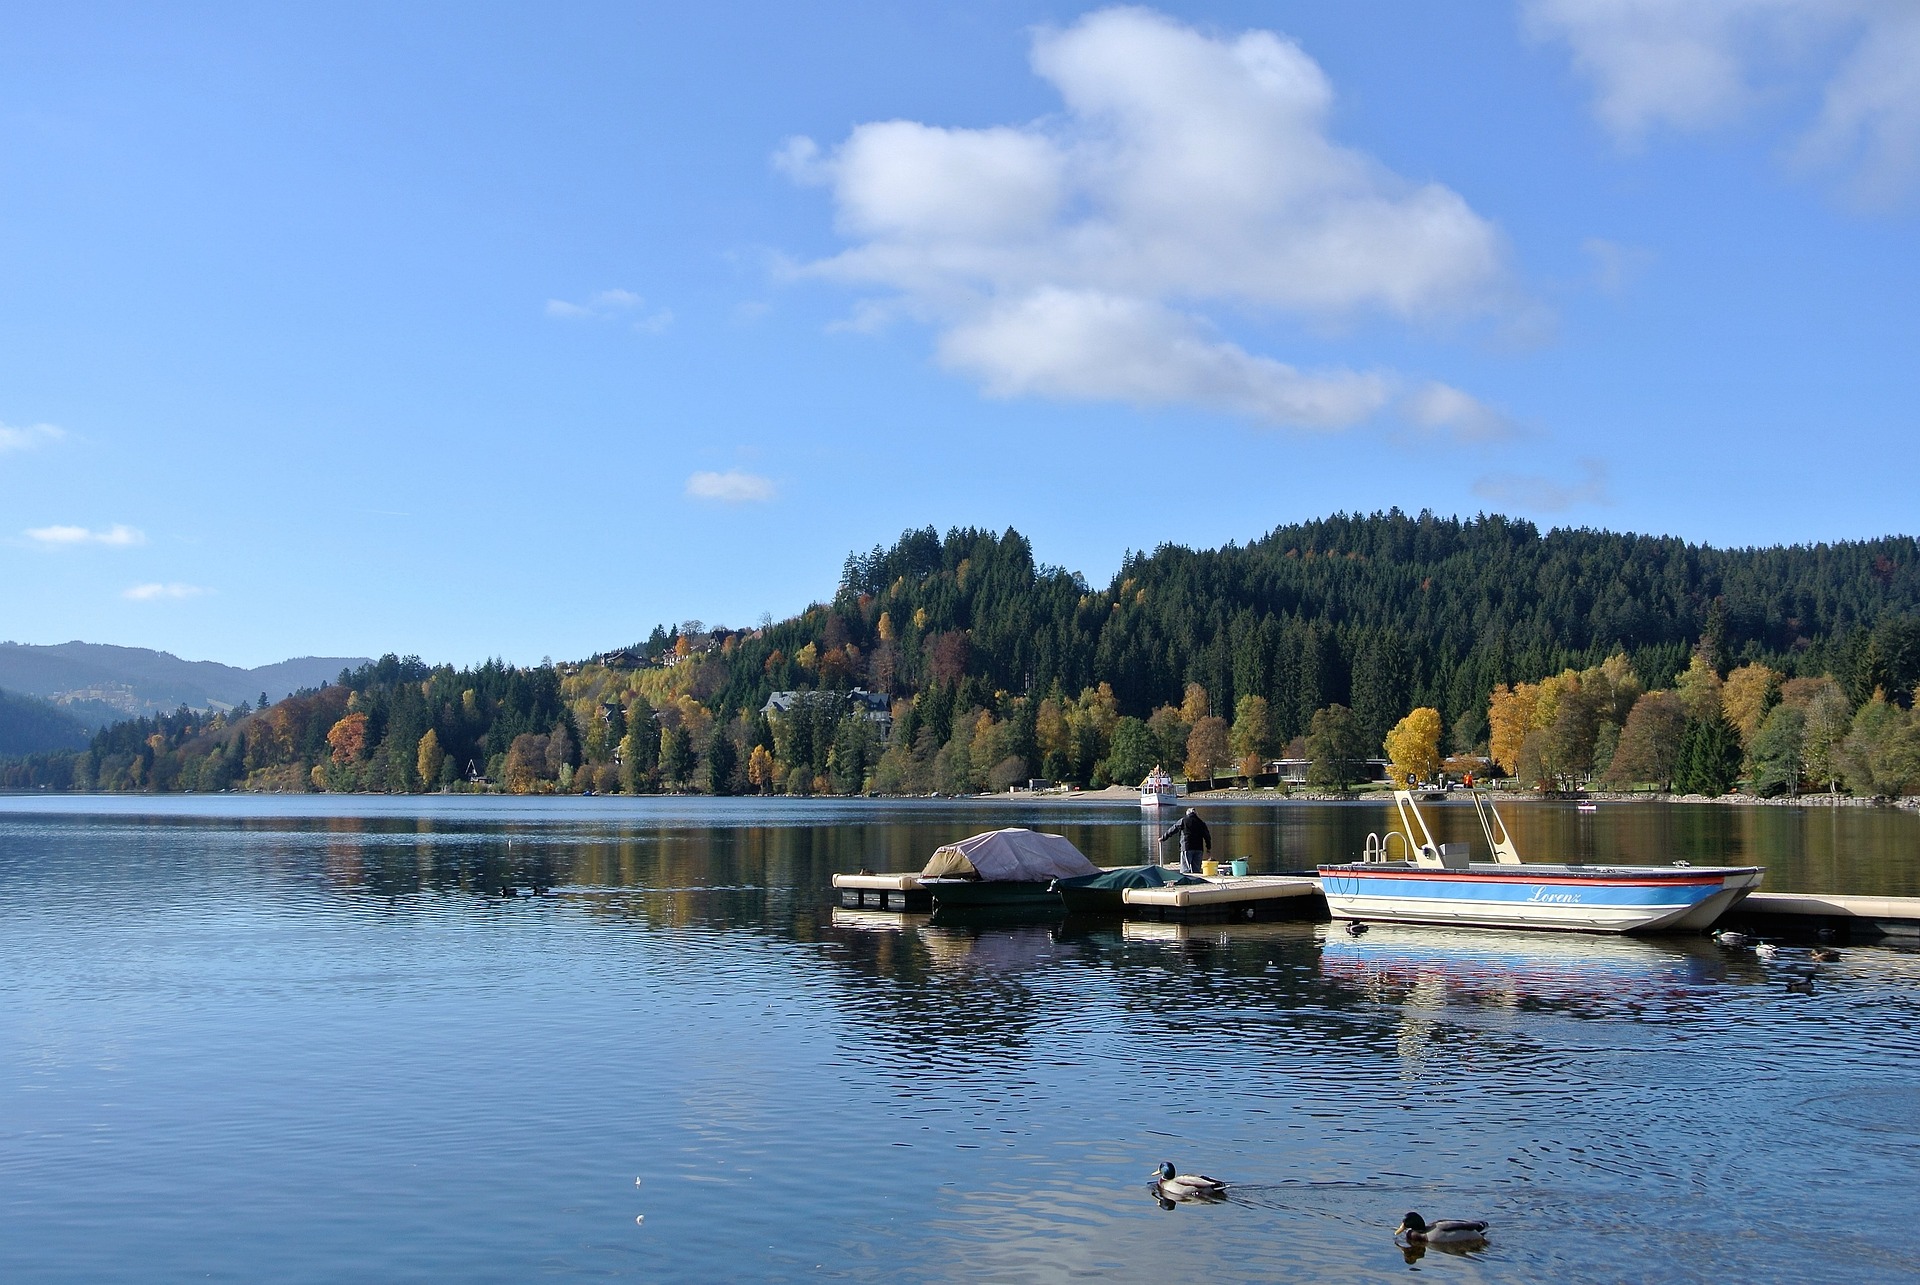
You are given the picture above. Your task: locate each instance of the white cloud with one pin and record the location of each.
(1870, 122)
(1532, 493)
(1088, 255)
(163, 592)
(1443, 407)
(25, 439)
(1615, 266)
(731, 487)
(1697, 64)
(608, 305)
(1081, 346)
(118, 535)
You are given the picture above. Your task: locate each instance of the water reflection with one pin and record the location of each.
(333, 1030)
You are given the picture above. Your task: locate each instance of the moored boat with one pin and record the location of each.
(1158, 790)
(1010, 867)
(1104, 892)
(1439, 884)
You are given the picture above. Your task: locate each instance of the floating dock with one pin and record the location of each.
(1242, 897)
(1297, 896)
(1813, 913)
(1230, 897)
(882, 892)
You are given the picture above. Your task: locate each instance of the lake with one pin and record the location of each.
(306, 1038)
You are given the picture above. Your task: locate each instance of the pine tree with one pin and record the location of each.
(722, 757)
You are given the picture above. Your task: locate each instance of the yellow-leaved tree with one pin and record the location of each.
(429, 758)
(1509, 719)
(1747, 696)
(1413, 746)
(760, 769)
(1195, 705)
(1699, 688)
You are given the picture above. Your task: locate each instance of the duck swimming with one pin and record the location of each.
(1444, 1231)
(1169, 1185)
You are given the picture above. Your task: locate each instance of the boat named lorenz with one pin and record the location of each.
(1439, 884)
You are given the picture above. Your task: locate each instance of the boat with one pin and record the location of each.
(1158, 790)
(1010, 867)
(1439, 884)
(1104, 892)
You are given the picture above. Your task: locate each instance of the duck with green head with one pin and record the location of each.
(1444, 1231)
(1170, 1185)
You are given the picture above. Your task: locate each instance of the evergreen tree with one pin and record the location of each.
(722, 758)
(1709, 757)
(677, 758)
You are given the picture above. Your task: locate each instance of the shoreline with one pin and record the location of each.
(1272, 797)
(1116, 795)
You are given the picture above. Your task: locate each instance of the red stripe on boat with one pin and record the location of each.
(1679, 881)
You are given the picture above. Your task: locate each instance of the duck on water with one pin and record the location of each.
(1170, 1185)
(1444, 1231)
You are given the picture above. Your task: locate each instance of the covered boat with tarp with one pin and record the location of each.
(1011, 867)
(1104, 893)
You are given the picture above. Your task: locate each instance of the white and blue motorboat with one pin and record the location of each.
(1440, 884)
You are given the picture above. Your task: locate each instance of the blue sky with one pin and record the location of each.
(487, 330)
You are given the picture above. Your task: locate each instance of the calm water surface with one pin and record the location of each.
(307, 1039)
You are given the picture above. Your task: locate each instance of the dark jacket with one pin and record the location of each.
(1193, 832)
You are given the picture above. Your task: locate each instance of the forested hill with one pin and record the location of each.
(1379, 613)
(982, 668)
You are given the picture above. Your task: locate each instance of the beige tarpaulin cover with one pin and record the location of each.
(1010, 854)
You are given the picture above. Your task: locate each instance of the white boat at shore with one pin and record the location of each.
(1439, 884)
(1158, 790)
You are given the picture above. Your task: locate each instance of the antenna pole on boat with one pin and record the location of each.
(1502, 845)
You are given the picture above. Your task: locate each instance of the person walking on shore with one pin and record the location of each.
(1195, 840)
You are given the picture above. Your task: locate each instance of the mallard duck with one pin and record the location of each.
(1445, 1231)
(1733, 940)
(1169, 1185)
(1800, 986)
(1825, 955)
(1766, 950)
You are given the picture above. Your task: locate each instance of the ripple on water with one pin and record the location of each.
(355, 1058)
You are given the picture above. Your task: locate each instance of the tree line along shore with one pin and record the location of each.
(1563, 660)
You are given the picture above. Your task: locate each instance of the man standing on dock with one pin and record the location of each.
(1195, 840)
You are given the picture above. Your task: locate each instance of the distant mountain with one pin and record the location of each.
(29, 725)
(98, 683)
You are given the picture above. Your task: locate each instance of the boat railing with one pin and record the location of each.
(1423, 850)
(1378, 850)
(1495, 829)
